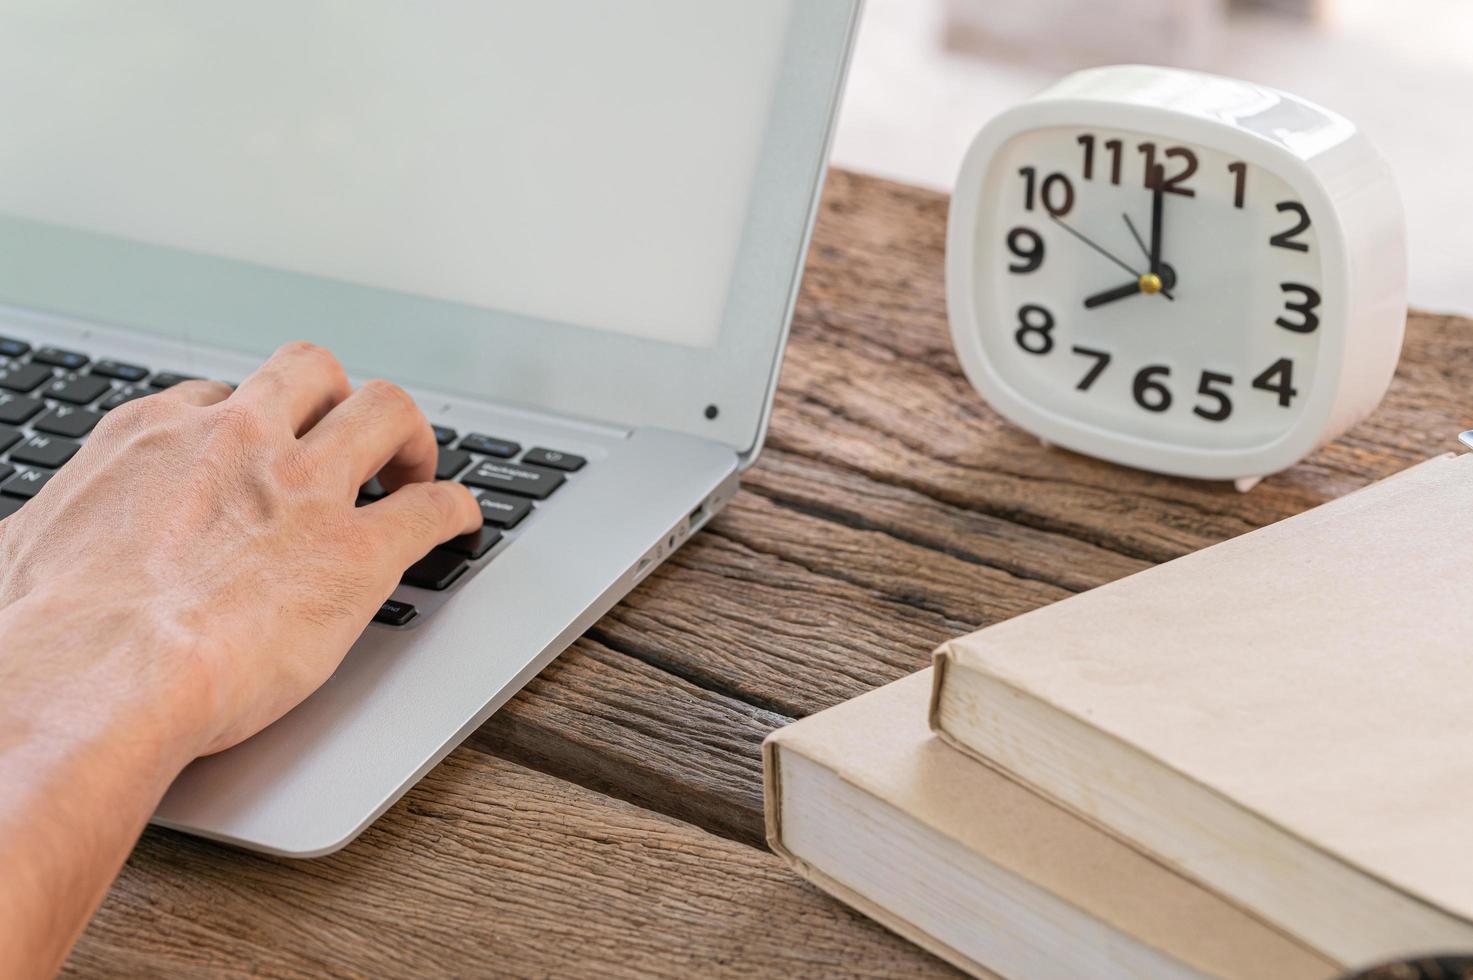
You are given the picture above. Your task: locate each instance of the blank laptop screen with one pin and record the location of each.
(560, 160)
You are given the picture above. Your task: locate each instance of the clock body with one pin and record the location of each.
(1174, 271)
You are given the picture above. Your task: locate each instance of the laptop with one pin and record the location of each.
(573, 230)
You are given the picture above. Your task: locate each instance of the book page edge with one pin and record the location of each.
(772, 806)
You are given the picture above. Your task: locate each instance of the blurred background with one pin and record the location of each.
(928, 73)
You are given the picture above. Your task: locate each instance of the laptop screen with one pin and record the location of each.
(559, 160)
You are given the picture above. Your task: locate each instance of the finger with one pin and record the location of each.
(377, 430)
(300, 384)
(413, 519)
(201, 393)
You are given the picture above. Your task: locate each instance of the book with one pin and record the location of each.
(1286, 717)
(865, 802)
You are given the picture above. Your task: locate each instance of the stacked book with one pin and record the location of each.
(1256, 761)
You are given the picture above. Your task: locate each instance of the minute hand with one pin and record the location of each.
(1166, 274)
(1158, 194)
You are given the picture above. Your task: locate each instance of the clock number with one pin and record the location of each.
(1278, 378)
(1304, 307)
(1056, 193)
(1149, 149)
(1102, 361)
(1035, 329)
(1113, 147)
(1061, 183)
(1030, 178)
(1170, 184)
(1146, 384)
(1027, 245)
(1239, 170)
(1285, 239)
(1224, 403)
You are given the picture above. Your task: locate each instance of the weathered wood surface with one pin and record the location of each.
(486, 868)
(890, 510)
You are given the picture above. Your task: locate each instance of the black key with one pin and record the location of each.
(444, 436)
(78, 389)
(47, 451)
(168, 379)
(26, 485)
(24, 377)
(490, 446)
(475, 544)
(524, 481)
(558, 461)
(15, 409)
(9, 505)
(6, 472)
(371, 491)
(8, 438)
(394, 613)
(10, 347)
(56, 357)
(451, 462)
(499, 510)
(123, 395)
(66, 421)
(120, 371)
(436, 570)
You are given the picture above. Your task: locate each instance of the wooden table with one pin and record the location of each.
(608, 820)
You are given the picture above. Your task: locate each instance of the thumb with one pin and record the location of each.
(413, 519)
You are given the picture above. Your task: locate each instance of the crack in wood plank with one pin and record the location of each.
(611, 721)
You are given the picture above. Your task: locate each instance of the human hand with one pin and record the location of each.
(203, 553)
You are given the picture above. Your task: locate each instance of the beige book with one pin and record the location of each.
(1287, 716)
(866, 803)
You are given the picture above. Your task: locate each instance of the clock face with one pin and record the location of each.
(1149, 286)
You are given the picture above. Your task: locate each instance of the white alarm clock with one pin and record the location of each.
(1179, 272)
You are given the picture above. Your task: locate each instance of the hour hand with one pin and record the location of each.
(1111, 295)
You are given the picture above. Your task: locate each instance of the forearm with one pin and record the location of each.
(200, 566)
(86, 752)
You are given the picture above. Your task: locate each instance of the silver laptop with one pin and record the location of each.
(573, 230)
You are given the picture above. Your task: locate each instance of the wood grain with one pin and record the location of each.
(486, 869)
(891, 509)
(618, 725)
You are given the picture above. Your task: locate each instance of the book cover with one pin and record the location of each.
(1283, 716)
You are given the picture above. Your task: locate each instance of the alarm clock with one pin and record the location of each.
(1179, 272)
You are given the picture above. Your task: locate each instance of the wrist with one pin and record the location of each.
(91, 736)
(105, 668)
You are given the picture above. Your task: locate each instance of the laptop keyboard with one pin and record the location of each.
(51, 399)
